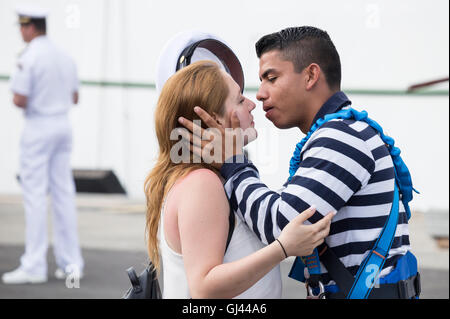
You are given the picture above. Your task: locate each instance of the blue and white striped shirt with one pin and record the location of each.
(345, 167)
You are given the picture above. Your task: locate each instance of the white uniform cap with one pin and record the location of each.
(170, 56)
(27, 12)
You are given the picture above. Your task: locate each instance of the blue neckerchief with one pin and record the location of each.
(402, 175)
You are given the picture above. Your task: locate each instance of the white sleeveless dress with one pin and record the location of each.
(243, 242)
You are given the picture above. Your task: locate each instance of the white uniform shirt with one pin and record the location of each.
(47, 76)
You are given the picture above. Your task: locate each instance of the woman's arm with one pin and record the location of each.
(203, 225)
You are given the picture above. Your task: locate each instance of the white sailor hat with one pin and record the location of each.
(28, 12)
(190, 46)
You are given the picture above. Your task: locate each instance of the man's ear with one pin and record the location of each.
(313, 72)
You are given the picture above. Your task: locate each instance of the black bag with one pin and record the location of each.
(146, 286)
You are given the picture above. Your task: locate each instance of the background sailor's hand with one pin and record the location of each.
(299, 239)
(216, 144)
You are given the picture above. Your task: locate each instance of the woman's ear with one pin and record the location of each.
(217, 118)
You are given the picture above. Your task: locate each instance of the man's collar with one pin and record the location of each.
(336, 102)
(38, 38)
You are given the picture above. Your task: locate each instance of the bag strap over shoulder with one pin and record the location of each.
(231, 222)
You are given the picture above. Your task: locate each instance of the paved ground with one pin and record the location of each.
(112, 238)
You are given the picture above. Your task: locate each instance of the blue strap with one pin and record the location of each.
(312, 262)
(402, 175)
(362, 285)
(297, 271)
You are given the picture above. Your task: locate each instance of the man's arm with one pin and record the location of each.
(335, 165)
(21, 82)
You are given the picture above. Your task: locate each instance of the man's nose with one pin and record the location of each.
(261, 95)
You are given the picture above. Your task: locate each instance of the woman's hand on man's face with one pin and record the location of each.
(216, 144)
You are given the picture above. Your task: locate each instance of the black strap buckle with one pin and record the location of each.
(409, 288)
(134, 279)
(418, 285)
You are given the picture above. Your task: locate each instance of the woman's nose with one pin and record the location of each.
(251, 105)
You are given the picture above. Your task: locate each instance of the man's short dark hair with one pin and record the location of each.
(303, 46)
(39, 24)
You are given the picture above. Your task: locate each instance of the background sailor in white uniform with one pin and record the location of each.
(45, 85)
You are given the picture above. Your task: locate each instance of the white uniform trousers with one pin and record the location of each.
(45, 169)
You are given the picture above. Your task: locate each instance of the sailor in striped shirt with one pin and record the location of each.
(345, 165)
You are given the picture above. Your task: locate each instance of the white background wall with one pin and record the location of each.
(382, 44)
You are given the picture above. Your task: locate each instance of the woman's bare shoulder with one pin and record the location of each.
(201, 187)
(202, 176)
